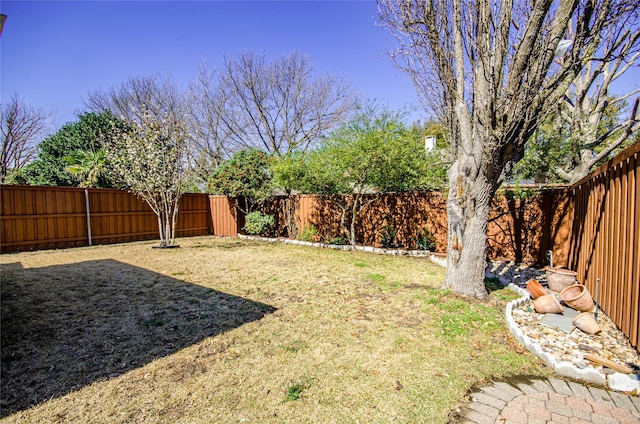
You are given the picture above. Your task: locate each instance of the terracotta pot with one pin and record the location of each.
(578, 298)
(547, 304)
(560, 278)
(535, 288)
(587, 323)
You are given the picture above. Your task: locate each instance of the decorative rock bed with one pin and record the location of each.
(565, 351)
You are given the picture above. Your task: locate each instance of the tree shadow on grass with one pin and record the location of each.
(67, 326)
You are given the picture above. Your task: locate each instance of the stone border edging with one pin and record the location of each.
(369, 249)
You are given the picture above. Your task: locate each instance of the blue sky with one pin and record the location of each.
(53, 53)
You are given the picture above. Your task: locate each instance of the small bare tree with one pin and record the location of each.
(150, 159)
(279, 106)
(22, 127)
(490, 71)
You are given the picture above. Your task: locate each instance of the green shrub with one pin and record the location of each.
(338, 240)
(388, 237)
(258, 224)
(426, 240)
(308, 234)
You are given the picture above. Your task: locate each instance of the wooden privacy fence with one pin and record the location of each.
(605, 238)
(522, 229)
(592, 227)
(57, 217)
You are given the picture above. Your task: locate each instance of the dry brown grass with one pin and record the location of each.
(223, 330)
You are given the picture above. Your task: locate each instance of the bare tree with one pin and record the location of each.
(209, 137)
(140, 97)
(589, 98)
(22, 128)
(490, 71)
(279, 106)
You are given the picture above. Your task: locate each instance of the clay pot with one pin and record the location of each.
(587, 323)
(560, 278)
(535, 288)
(547, 304)
(578, 298)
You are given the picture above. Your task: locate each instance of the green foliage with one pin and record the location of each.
(493, 284)
(295, 346)
(258, 224)
(388, 237)
(88, 134)
(337, 241)
(246, 176)
(518, 191)
(382, 282)
(425, 240)
(374, 152)
(434, 175)
(308, 234)
(294, 392)
(376, 278)
(434, 296)
(90, 167)
(289, 170)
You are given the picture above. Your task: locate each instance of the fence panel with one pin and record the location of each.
(56, 217)
(41, 218)
(605, 241)
(224, 216)
(523, 228)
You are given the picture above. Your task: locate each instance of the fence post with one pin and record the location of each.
(86, 201)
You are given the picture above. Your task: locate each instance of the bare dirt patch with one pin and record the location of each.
(223, 330)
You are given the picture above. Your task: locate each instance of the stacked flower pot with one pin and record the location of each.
(572, 293)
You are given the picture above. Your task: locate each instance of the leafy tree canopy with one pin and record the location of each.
(290, 170)
(88, 134)
(90, 167)
(245, 175)
(375, 151)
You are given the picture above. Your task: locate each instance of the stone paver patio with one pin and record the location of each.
(534, 400)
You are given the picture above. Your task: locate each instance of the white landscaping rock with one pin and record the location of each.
(624, 382)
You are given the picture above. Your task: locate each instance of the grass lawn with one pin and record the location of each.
(235, 331)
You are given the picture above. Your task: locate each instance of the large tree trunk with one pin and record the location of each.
(468, 208)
